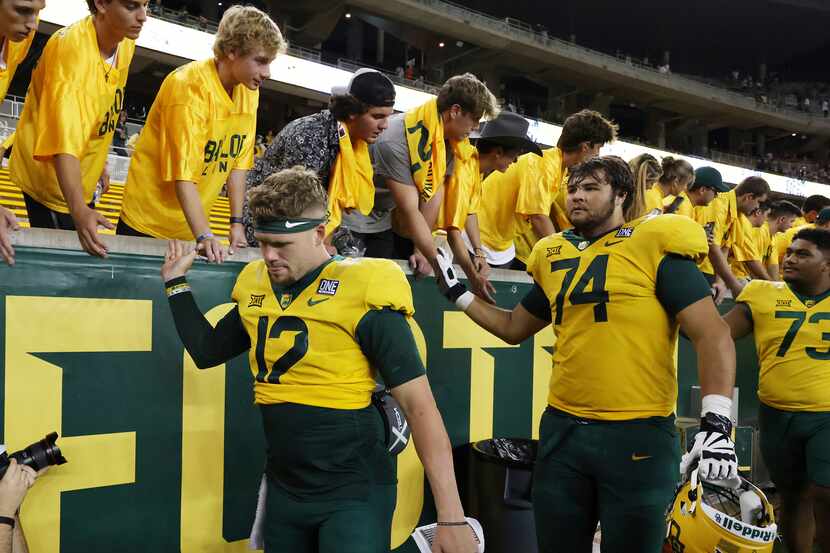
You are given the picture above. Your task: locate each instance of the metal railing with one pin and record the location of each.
(526, 32)
(352, 66)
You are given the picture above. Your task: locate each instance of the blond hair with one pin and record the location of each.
(245, 28)
(646, 170)
(471, 94)
(287, 193)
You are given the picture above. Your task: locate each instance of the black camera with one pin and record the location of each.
(41, 454)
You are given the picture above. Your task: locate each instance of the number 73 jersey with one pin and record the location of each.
(614, 356)
(792, 337)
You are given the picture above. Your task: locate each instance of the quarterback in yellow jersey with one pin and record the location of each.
(319, 330)
(810, 209)
(200, 134)
(616, 294)
(521, 200)
(67, 125)
(790, 323)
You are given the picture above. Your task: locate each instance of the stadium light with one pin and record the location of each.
(440, 44)
(348, 15)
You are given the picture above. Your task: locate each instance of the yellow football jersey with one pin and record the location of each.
(15, 54)
(614, 357)
(746, 250)
(783, 240)
(304, 345)
(72, 107)
(528, 187)
(791, 336)
(194, 132)
(654, 198)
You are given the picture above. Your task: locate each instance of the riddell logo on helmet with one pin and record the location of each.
(744, 530)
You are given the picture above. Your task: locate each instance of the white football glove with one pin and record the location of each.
(449, 284)
(713, 449)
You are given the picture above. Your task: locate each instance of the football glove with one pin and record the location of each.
(713, 449)
(449, 284)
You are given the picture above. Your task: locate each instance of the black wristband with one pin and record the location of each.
(464, 523)
(176, 286)
(236, 220)
(7, 520)
(713, 422)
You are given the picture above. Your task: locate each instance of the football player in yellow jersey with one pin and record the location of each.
(200, 134)
(18, 23)
(319, 330)
(780, 218)
(616, 294)
(522, 200)
(810, 209)
(67, 125)
(788, 320)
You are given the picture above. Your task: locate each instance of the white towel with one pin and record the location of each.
(257, 540)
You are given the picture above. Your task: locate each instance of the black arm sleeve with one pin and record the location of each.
(208, 346)
(386, 339)
(680, 284)
(537, 303)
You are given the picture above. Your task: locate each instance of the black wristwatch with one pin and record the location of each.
(7, 520)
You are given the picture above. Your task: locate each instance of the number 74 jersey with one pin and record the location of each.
(614, 356)
(792, 337)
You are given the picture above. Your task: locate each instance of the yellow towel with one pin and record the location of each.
(427, 152)
(350, 185)
(463, 194)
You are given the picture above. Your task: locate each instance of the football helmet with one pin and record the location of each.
(707, 518)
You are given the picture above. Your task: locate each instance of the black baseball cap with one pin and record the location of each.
(371, 87)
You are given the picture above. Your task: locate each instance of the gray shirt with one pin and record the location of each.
(390, 160)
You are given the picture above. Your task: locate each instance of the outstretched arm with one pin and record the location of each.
(208, 346)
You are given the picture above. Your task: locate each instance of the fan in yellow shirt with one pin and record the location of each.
(200, 133)
(647, 172)
(72, 106)
(18, 24)
(789, 323)
(780, 218)
(810, 209)
(497, 146)
(521, 201)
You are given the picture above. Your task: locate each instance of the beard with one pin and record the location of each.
(587, 226)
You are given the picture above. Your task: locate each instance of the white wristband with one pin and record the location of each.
(464, 300)
(717, 404)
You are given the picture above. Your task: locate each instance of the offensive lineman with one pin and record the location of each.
(788, 320)
(316, 329)
(616, 294)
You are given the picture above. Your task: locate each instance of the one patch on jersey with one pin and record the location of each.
(624, 232)
(783, 303)
(328, 287)
(256, 300)
(553, 251)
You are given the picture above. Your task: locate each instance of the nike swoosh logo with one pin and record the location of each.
(312, 302)
(635, 457)
(289, 224)
(608, 243)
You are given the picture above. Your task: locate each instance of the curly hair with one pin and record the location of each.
(245, 28)
(471, 94)
(819, 237)
(613, 170)
(586, 126)
(346, 105)
(287, 193)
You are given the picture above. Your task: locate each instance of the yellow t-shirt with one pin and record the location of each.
(304, 346)
(684, 207)
(784, 239)
(528, 187)
(614, 357)
(654, 198)
(72, 108)
(791, 335)
(194, 132)
(462, 193)
(15, 54)
(746, 250)
(765, 245)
